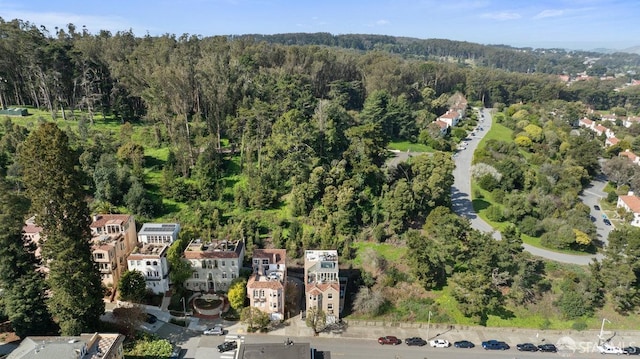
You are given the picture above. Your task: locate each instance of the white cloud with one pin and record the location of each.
(502, 15)
(549, 13)
(382, 22)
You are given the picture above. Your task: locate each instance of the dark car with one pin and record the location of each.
(548, 348)
(464, 344)
(596, 207)
(607, 222)
(389, 340)
(176, 353)
(227, 346)
(527, 347)
(150, 318)
(495, 345)
(631, 350)
(415, 341)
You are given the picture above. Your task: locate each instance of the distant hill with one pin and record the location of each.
(632, 50)
(526, 59)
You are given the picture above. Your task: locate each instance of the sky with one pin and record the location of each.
(570, 24)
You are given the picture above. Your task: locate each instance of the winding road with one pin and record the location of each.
(462, 205)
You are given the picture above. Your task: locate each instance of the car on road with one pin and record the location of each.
(606, 221)
(227, 346)
(415, 341)
(495, 345)
(607, 348)
(389, 340)
(216, 330)
(596, 207)
(464, 344)
(631, 350)
(527, 347)
(439, 343)
(176, 352)
(150, 318)
(547, 348)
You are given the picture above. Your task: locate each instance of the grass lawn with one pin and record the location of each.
(391, 253)
(497, 132)
(408, 146)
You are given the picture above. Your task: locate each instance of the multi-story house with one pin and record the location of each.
(151, 260)
(33, 233)
(631, 203)
(266, 286)
(96, 345)
(113, 239)
(159, 233)
(322, 284)
(215, 264)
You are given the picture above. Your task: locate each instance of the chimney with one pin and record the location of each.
(96, 217)
(630, 193)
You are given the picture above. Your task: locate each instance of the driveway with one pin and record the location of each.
(462, 205)
(591, 196)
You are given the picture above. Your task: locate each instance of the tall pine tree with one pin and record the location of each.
(54, 185)
(24, 288)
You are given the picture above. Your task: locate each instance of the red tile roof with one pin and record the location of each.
(255, 283)
(322, 287)
(103, 219)
(633, 202)
(630, 155)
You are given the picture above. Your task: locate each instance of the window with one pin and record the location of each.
(256, 261)
(329, 295)
(224, 275)
(233, 276)
(265, 261)
(99, 255)
(196, 275)
(330, 306)
(222, 263)
(148, 263)
(155, 263)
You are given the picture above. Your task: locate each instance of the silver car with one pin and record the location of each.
(216, 330)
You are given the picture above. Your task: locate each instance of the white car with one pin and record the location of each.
(607, 348)
(217, 330)
(439, 343)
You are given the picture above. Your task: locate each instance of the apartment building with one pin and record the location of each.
(267, 284)
(151, 260)
(159, 233)
(113, 239)
(215, 264)
(322, 283)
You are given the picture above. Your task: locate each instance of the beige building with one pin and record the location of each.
(215, 264)
(113, 239)
(631, 203)
(322, 284)
(85, 346)
(267, 284)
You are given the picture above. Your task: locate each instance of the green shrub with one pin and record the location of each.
(579, 325)
(494, 213)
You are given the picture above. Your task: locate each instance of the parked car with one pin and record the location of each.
(631, 350)
(607, 348)
(227, 346)
(439, 343)
(216, 330)
(495, 345)
(464, 344)
(389, 340)
(417, 341)
(527, 347)
(596, 207)
(150, 318)
(176, 352)
(606, 221)
(548, 348)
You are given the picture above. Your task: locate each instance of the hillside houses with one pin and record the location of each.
(630, 203)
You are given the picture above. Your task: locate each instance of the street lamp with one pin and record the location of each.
(184, 307)
(602, 327)
(428, 325)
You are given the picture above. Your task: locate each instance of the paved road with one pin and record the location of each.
(461, 199)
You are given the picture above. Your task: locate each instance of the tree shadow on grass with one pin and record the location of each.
(480, 204)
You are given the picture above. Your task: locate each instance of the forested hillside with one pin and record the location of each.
(284, 145)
